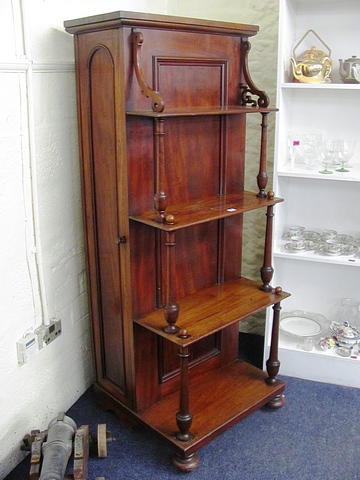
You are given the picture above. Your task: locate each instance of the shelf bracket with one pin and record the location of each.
(157, 103)
(248, 87)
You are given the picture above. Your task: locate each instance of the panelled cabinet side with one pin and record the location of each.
(101, 97)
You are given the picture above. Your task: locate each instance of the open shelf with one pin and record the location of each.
(321, 86)
(353, 175)
(311, 256)
(213, 409)
(200, 111)
(206, 210)
(213, 309)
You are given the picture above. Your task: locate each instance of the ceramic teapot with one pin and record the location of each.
(312, 66)
(349, 70)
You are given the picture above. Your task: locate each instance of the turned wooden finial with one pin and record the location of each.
(270, 194)
(183, 333)
(170, 219)
(278, 290)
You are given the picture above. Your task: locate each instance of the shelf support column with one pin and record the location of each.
(171, 308)
(273, 363)
(262, 178)
(186, 463)
(160, 198)
(267, 270)
(184, 416)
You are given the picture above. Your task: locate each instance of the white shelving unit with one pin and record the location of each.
(317, 202)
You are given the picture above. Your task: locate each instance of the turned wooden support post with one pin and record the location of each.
(171, 308)
(160, 198)
(262, 177)
(267, 270)
(184, 416)
(273, 364)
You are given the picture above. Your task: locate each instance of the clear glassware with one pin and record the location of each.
(331, 152)
(326, 160)
(312, 149)
(347, 148)
(350, 311)
(294, 146)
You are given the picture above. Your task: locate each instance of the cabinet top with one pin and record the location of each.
(134, 19)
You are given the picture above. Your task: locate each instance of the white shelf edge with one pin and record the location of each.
(313, 257)
(330, 367)
(320, 86)
(352, 176)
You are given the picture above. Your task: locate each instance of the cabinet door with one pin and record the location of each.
(105, 201)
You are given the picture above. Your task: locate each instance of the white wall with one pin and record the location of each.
(42, 254)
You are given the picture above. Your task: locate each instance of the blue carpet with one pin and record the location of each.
(315, 436)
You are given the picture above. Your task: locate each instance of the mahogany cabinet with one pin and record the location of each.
(162, 107)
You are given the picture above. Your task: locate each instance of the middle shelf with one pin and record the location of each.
(213, 309)
(206, 210)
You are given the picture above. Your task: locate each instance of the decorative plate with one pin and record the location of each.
(345, 331)
(301, 324)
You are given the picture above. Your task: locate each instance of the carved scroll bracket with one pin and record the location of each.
(248, 88)
(157, 102)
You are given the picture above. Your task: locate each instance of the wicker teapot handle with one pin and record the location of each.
(303, 37)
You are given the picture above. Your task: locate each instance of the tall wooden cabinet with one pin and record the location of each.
(162, 105)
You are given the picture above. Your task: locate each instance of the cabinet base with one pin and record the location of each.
(217, 401)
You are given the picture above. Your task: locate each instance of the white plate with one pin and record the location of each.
(300, 326)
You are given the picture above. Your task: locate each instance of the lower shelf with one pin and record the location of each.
(217, 401)
(320, 366)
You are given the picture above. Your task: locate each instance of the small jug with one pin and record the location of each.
(350, 312)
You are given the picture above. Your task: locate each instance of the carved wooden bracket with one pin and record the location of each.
(248, 88)
(158, 103)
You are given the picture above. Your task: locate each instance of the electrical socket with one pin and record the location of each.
(48, 333)
(26, 347)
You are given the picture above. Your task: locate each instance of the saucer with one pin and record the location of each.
(309, 235)
(343, 238)
(308, 245)
(345, 249)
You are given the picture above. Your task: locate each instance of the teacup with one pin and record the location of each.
(297, 242)
(329, 234)
(296, 230)
(333, 246)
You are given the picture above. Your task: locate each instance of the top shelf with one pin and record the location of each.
(200, 111)
(320, 86)
(206, 210)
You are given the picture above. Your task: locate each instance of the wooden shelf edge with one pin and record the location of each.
(195, 212)
(218, 401)
(201, 111)
(213, 309)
